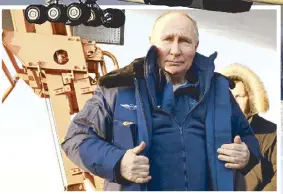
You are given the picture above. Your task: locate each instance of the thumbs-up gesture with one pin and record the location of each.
(135, 168)
(236, 154)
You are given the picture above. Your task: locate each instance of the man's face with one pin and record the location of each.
(241, 96)
(175, 38)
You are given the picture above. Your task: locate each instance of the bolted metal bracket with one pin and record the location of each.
(66, 89)
(75, 171)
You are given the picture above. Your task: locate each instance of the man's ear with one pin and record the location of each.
(196, 47)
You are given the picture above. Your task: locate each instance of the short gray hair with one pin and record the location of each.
(180, 13)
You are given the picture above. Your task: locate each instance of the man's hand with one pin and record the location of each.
(135, 168)
(236, 154)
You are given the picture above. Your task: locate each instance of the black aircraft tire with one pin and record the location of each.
(35, 14)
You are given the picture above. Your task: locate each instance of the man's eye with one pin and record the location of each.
(168, 39)
(186, 41)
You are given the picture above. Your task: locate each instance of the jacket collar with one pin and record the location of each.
(147, 68)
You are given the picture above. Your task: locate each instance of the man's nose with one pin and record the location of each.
(175, 48)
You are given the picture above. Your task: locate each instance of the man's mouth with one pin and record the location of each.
(175, 62)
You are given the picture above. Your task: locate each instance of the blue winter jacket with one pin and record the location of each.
(119, 116)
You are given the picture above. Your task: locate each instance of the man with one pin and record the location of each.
(252, 98)
(164, 122)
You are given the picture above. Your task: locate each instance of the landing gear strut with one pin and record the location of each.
(88, 13)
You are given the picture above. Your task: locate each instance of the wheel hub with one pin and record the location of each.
(53, 13)
(74, 12)
(107, 17)
(33, 13)
(92, 16)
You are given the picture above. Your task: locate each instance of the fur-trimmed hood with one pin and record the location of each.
(124, 76)
(258, 97)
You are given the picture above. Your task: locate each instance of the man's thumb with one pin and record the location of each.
(237, 140)
(139, 148)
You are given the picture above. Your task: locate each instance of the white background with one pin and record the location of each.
(28, 158)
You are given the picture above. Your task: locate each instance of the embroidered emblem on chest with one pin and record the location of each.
(129, 106)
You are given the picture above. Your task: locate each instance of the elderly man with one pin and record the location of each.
(164, 122)
(252, 98)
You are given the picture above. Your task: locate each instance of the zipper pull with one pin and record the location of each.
(181, 131)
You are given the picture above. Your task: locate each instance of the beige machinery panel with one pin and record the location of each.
(20, 45)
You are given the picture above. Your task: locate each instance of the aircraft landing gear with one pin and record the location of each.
(88, 13)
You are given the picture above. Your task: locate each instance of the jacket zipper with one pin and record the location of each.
(183, 148)
(203, 96)
(181, 134)
(185, 159)
(182, 125)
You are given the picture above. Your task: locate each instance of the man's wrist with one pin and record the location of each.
(118, 176)
(250, 165)
(249, 155)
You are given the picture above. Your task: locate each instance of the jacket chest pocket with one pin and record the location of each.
(124, 134)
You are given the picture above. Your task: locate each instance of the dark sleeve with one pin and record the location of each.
(87, 142)
(272, 185)
(241, 127)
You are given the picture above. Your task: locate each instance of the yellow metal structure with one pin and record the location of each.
(58, 66)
